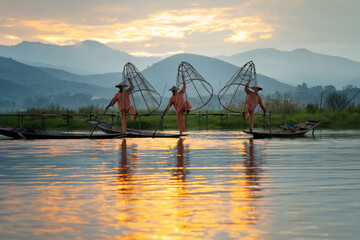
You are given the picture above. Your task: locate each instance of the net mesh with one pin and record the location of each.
(198, 90)
(232, 96)
(144, 97)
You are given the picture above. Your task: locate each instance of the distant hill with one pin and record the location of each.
(42, 83)
(103, 80)
(12, 91)
(354, 82)
(300, 65)
(215, 71)
(88, 57)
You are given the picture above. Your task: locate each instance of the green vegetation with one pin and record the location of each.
(57, 118)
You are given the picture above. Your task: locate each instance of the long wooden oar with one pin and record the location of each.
(162, 118)
(162, 115)
(97, 123)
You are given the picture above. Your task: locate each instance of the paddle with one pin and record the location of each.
(99, 121)
(161, 119)
(162, 115)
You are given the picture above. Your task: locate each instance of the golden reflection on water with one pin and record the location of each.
(175, 208)
(192, 188)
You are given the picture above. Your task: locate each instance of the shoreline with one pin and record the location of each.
(202, 120)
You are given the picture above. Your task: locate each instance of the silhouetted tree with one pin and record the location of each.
(335, 100)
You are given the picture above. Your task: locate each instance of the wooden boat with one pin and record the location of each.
(20, 133)
(130, 133)
(298, 130)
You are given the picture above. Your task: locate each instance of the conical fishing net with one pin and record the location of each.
(232, 96)
(198, 91)
(144, 97)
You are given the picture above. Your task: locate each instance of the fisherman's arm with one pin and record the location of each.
(183, 87)
(113, 101)
(261, 104)
(247, 89)
(130, 89)
(171, 102)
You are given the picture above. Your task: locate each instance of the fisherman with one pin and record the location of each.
(180, 105)
(253, 99)
(123, 100)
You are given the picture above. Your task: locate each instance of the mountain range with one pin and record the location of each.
(87, 57)
(24, 80)
(301, 65)
(91, 57)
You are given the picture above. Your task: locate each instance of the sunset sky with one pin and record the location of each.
(163, 27)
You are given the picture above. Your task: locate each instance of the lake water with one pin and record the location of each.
(209, 185)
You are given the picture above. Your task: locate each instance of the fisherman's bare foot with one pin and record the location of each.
(133, 117)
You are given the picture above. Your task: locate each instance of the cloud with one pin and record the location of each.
(162, 26)
(175, 24)
(108, 19)
(6, 22)
(152, 54)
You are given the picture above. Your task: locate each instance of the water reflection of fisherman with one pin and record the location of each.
(180, 168)
(252, 163)
(179, 171)
(125, 171)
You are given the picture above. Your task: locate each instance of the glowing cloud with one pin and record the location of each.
(238, 37)
(177, 24)
(12, 37)
(147, 54)
(7, 22)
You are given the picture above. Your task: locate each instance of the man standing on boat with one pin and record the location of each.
(123, 100)
(180, 105)
(253, 99)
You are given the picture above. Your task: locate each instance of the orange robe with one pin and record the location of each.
(123, 101)
(252, 101)
(180, 106)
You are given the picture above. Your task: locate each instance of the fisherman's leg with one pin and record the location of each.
(245, 112)
(123, 121)
(251, 123)
(187, 107)
(180, 122)
(132, 112)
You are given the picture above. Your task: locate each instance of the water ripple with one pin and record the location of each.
(210, 185)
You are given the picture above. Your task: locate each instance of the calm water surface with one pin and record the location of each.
(209, 185)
